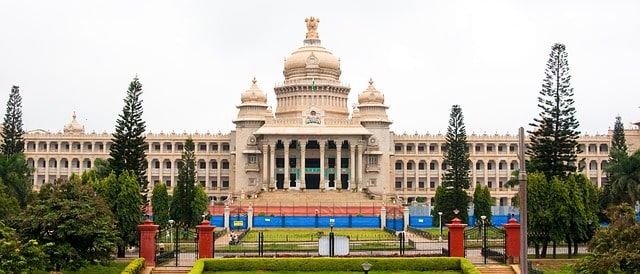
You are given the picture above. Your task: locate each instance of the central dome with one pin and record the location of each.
(312, 60)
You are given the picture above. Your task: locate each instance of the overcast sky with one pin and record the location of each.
(195, 58)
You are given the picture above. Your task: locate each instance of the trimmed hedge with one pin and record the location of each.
(135, 267)
(333, 264)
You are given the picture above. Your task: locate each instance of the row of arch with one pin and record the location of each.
(104, 146)
(87, 163)
(436, 148)
(480, 165)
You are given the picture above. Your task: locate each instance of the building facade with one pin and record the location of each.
(312, 140)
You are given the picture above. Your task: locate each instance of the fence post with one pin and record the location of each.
(456, 238)
(405, 218)
(205, 239)
(383, 217)
(148, 242)
(401, 236)
(227, 214)
(250, 216)
(512, 241)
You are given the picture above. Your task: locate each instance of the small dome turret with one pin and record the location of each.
(74, 127)
(253, 94)
(371, 95)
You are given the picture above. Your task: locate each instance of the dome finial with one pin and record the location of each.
(371, 81)
(74, 115)
(312, 27)
(254, 80)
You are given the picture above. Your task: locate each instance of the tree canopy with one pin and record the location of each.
(123, 198)
(75, 225)
(614, 249)
(160, 204)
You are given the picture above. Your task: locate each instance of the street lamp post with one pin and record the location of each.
(331, 238)
(484, 238)
(175, 240)
(366, 266)
(440, 222)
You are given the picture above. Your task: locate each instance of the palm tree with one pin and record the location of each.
(624, 177)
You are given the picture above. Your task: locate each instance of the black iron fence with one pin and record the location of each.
(259, 243)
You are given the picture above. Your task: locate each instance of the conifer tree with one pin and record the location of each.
(128, 149)
(456, 178)
(553, 146)
(12, 127)
(184, 192)
(618, 140)
(618, 150)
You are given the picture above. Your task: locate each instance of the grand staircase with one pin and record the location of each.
(314, 197)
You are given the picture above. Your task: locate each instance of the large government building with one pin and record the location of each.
(312, 140)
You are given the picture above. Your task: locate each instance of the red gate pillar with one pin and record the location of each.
(456, 238)
(148, 242)
(512, 241)
(205, 240)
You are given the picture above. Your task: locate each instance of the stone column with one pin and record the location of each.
(148, 242)
(512, 240)
(323, 146)
(360, 166)
(303, 149)
(205, 240)
(287, 179)
(272, 169)
(456, 238)
(352, 164)
(265, 165)
(338, 180)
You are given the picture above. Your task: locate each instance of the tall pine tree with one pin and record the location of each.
(12, 127)
(14, 170)
(457, 177)
(554, 139)
(618, 150)
(184, 192)
(618, 140)
(128, 149)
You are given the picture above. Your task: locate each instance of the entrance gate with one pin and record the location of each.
(395, 218)
(486, 242)
(176, 246)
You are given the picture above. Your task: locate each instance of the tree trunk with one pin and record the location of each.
(537, 245)
(120, 252)
(545, 244)
(569, 248)
(554, 249)
(575, 248)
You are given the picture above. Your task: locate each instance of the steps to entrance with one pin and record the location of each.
(170, 270)
(312, 197)
(496, 269)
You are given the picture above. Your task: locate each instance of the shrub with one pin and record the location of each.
(333, 264)
(135, 267)
(198, 267)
